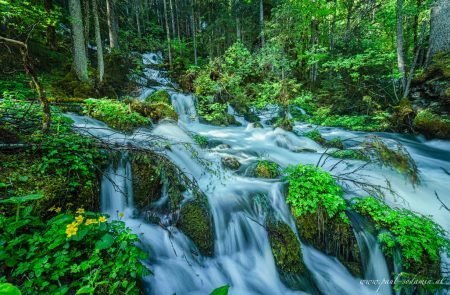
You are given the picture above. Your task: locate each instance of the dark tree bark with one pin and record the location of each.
(79, 45)
(98, 42)
(112, 24)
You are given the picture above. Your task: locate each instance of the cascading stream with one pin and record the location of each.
(243, 257)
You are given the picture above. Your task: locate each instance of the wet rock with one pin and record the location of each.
(257, 125)
(305, 150)
(146, 182)
(332, 236)
(223, 146)
(159, 96)
(196, 222)
(231, 163)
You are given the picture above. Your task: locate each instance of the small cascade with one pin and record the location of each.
(236, 116)
(184, 105)
(117, 188)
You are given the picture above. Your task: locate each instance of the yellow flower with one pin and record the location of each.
(91, 221)
(79, 219)
(121, 214)
(80, 211)
(57, 210)
(102, 219)
(71, 229)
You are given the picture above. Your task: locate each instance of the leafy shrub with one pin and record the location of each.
(311, 188)
(420, 239)
(201, 140)
(68, 253)
(352, 154)
(316, 136)
(114, 113)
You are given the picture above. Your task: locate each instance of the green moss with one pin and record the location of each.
(83, 90)
(114, 113)
(335, 143)
(403, 115)
(284, 123)
(285, 248)
(196, 222)
(201, 140)
(266, 169)
(147, 184)
(156, 111)
(421, 241)
(432, 125)
(159, 96)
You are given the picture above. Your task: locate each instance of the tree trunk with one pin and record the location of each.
(440, 27)
(194, 35)
(172, 18)
(418, 47)
(112, 26)
(400, 48)
(138, 23)
(98, 42)
(87, 21)
(167, 33)
(79, 48)
(29, 69)
(261, 21)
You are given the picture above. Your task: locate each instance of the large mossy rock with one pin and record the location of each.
(196, 222)
(147, 184)
(231, 163)
(267, 169)
(159, 96)
(156, 111)
(432, 125)
(332, 236)
(285, 248)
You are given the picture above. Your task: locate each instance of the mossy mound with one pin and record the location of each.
(402, 118)
(432, 125)
(285, 248)
(196, 222)
(147, 184)
(159, 96)
(224, 119)
(350, 154)
(267, 169)
(332, 236)
(153, 110)
(316, 136)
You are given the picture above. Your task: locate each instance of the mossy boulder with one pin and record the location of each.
(153, 110)
(332, 236)
(432, 125)
(196, 222)
(223, 120)
(159, 96)
(231, 163)
(316, 136)
(286, 249)
(267, 169)
(147, 185)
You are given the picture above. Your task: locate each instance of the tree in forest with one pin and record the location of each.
(113, 26)
(440, 27)
(98, 41)
(400, 41)
(80, 62)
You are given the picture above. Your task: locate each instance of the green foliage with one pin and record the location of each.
(201, 140)
(9, 289)
(419, 238)
(311, 188)
(221, 290)
(316, 136)
(114, 113)
(432, 125)
(156, 110)
(352, 154)
(69, 253)
(267, 169)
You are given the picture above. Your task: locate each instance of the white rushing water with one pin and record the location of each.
(243, 257)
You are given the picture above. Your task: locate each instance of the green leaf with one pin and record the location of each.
(85, 290)
(20, 200)
(9, 289)
(105, 242)
(221, 290)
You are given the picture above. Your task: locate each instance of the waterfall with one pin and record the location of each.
(243, 257)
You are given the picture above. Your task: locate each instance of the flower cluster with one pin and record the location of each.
(72, 228)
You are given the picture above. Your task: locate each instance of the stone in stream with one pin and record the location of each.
(231, 163)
